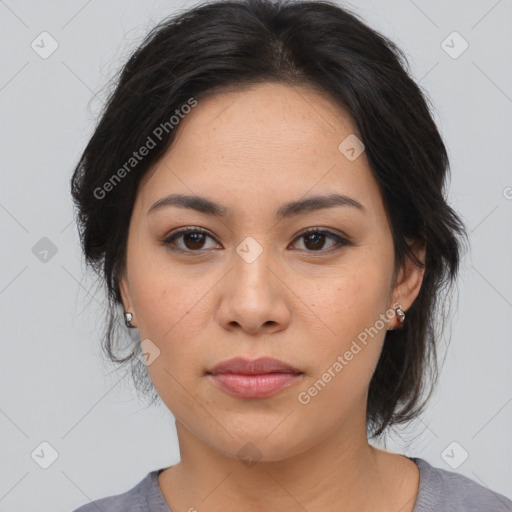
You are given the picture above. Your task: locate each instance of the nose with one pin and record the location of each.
(254, 298)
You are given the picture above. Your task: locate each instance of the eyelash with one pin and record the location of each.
(340, 241)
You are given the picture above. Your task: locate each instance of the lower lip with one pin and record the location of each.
(254, 386)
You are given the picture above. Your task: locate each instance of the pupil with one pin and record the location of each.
(319, 239)
(196, 239)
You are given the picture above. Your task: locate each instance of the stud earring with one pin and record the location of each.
(128, 317)
(400, 313)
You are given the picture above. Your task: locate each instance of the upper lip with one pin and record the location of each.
(258, 366)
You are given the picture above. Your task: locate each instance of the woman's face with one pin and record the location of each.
(253, 284)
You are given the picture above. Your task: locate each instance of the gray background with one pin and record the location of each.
(56, 386)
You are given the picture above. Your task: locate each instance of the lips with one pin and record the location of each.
(260, 366)
(258, 378)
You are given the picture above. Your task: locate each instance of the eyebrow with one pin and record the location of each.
(287, 210)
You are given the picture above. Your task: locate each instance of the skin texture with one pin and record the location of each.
(301, 301)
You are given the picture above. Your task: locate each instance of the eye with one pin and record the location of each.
(193, 239)
(314, 239)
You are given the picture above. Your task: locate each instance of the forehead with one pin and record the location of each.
(270, 140)
(264, 118)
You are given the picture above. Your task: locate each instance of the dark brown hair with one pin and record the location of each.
(232, 44)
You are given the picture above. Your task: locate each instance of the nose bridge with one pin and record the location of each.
(251, 295)
(251, 263)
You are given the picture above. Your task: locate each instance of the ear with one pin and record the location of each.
(124, 289)
(408, 283)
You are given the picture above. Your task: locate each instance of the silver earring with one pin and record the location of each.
(400, 313)
(128, 317)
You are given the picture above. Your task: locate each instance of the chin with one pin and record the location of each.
(251, 447)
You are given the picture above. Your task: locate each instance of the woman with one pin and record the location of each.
(264, 198)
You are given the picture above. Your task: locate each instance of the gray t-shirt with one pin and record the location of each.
(439, 491)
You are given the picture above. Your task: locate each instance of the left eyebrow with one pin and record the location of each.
(291, 209)
(317, 203)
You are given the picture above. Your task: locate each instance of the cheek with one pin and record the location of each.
(174, 308)
(351, 305)
(173, 318)
(352, 298)
(165, 295)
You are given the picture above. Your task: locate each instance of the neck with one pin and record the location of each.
(342, 472)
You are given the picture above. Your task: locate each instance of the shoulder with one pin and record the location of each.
(446, 491)
(143, 496)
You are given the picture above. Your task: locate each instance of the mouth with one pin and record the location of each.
(257, 378)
